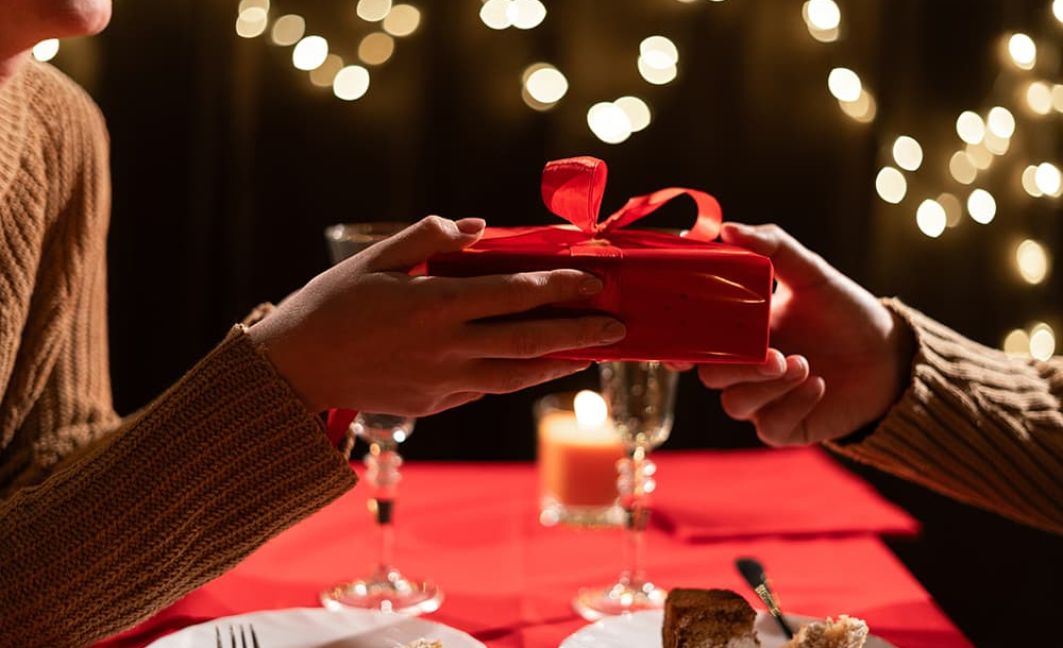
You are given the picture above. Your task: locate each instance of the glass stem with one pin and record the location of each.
(383, 463)
(634, 500)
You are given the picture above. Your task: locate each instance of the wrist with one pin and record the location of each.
(273, 344)
(902, 347)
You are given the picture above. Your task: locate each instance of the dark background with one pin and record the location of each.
(227, 164)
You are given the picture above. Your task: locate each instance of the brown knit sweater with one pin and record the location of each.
(105, 520)
(975, 424)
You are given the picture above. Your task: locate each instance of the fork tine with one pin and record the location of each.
(254, 637)
(217, 636)
(243, 637)
(232, 637)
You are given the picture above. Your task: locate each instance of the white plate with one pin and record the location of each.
(321, 628)
(643, 630)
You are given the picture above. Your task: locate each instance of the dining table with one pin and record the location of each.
(473, 528)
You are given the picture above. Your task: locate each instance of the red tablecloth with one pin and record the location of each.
(473, 528)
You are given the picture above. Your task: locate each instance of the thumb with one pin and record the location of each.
(794, 264)
(430, 236)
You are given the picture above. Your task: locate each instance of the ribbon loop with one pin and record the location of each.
(572, 188)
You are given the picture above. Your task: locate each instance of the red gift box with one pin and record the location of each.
(683, 298)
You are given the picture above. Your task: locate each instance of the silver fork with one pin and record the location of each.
(232, 637)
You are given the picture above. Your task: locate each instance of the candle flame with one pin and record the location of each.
(590, 407)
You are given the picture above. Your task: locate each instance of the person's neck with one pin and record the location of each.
(10, 65)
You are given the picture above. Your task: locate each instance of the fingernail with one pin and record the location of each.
(744, 230)
(775, 364)
(613, 332)
(471, 225)
(591, 286)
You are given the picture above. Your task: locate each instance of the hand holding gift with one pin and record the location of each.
(850, 356)
(366, 335)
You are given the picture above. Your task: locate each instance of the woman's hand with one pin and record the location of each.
(365, 335)
(850, 356)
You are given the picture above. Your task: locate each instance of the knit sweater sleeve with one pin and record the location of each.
(225, 459)
(976, 425)
(103, 520)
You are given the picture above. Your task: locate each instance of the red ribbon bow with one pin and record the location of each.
(573, 188)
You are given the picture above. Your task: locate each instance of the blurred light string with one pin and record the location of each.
(983, 138)
(312, 53)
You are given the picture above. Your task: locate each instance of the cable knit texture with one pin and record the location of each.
(103, 520)
(976, 425)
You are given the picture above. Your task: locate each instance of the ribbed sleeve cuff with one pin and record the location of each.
(227, 458)
(974, 424)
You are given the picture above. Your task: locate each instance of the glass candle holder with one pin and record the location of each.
(577, 454)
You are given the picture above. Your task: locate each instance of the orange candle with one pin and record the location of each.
(578, 451)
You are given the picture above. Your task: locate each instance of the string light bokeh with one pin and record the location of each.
(935, 188)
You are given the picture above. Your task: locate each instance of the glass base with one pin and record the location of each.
(620, 598)
(552, 512)
(387, 590)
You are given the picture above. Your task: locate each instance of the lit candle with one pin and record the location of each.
(578, 451)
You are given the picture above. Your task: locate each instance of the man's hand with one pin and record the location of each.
(365, 335)
(849, 359)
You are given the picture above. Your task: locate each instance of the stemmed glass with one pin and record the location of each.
(385, 588)
(641, 400)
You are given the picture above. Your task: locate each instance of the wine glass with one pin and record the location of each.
(385, 587)
(641, 400)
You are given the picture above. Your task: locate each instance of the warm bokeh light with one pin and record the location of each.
(824, 15)
(376, 48)
(638, 113)
(953, 209)
(545, 83)
(828, 35)
(970, 127)
(1048, 180)
(323, 75)
(1029, 181)
(981, 206)
(844, 84)
(980, 155)
(1039, 97)
(251, 22)
(497, 14)
(1057, 97)
(609, 122)
(287, 30)
(1017, 343)
(907, 153)
(527, 14)
(658, 52)
(863, 109)
(962, 167)
(657, 76)
(1057, 10)
(351, 82)
(591, 409)
(402, 20)
(995, 145)
(48, 48)
(1032, 261)
(1042, 341)
(891, 185)
(1001, 122)
(1023, 51)
(310, 52)
(931, 218)
(248, 4)
(373, 10)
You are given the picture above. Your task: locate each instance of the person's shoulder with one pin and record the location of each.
(59, 102)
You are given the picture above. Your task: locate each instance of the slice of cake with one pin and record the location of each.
(846, 632)
(716, 618)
